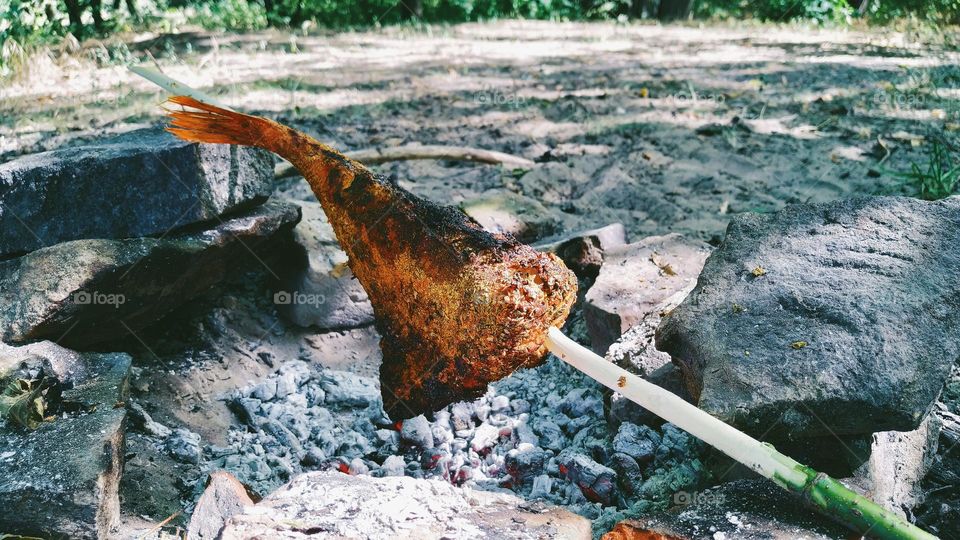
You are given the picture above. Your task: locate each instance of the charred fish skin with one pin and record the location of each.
(457, 307)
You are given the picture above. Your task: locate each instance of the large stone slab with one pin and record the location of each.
(635, 280)
(741, 510)
(85, 291)
(344, 506)
(824, 320)
(317, 287)
(60, 480)
(142, 183)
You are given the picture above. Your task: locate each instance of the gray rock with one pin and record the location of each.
(397, 507)
(317, 287)
(824, 320)
(61, 480)
(416, 431)
(85, 291)
(638, 442)
(506, 212)
(597, 482)
(636, 280)
(223, 497)
(583, 252)
(142, 183)
(184, 446)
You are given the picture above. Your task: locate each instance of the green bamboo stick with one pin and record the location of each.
(824, 493)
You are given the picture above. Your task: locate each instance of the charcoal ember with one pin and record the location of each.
(283, 439)
(551, 436)
(638, 442)
(247, 410)
(461, 416)
(581, 402)
(313, 457)
(435, 461)
(349, 390)
(416, 432)
(393, 466)
(184, 445)
(485, 437)
(597, 482)
(353, 444)
(523, 465)
(629, 475)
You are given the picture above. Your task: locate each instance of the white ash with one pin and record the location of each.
(540, 433)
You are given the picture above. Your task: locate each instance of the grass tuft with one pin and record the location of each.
(938, 180)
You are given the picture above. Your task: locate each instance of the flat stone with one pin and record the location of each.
(824, 320)
(635, 280)
(899, 460)
(223, 497)
(340, 505)
(583, 252)
(142, 183)
(506, 212)
(317, 287)
(85, 291)
(61, 479)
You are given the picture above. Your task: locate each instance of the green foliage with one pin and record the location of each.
(818, 11)
(938, 180)
(230, 15)
(26, 24)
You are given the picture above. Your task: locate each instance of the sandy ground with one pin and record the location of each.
(623, 115)
(664, 129)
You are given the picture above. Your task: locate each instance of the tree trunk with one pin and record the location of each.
(674, 9)
(416, 6)
(75, 13)
(97, 15)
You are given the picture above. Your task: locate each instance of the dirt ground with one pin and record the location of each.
(663, 129)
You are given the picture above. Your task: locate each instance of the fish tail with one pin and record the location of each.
(196, 121)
